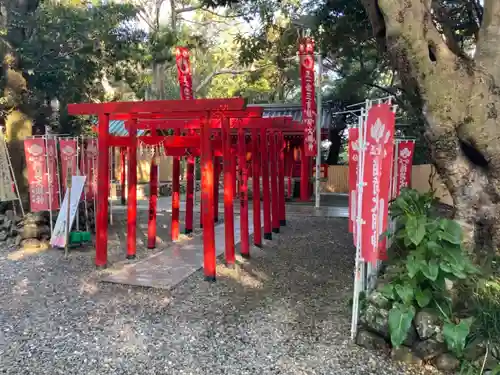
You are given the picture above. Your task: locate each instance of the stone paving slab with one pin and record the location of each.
(171, 266)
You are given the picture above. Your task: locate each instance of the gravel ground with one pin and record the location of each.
(285, 312)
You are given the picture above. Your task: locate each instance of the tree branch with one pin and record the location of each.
(188, 9)
(216, 73)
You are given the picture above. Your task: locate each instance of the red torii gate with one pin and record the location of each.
(203, 111)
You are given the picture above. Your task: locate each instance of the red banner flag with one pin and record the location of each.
(184, 72)
(405, 150)
(389, 119)
(353, 154)
(38, 177)
(380, 120)
(68, 149)
(306, 54)
(53, 173)
(88, 166)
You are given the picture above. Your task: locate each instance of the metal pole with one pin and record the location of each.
(319, 117)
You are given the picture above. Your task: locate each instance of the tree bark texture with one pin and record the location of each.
(460, 102)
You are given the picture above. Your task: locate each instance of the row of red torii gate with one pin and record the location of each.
(211, 129)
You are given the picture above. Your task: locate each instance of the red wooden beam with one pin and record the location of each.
(235, 122)
(160, 106)
(198, 114)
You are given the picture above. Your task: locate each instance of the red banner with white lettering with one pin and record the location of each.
(38, 177)
(404, 163)
(68, 150)
(184, 72)
(88, 167)
(53, 173)
(306, 54)
(389, 119)
(378, 124)
(353, 154)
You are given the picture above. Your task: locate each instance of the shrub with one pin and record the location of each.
(434, 259)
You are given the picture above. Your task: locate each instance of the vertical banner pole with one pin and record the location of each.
(358, 269)
(47, 161)
(111, 183)
(319, 118)
(68, 212)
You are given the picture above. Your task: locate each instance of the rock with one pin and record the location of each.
(31, 243)
(475, 350)
(13, 232)
(411, 337)
(3, 235)
(447, 362)
(371, 341)
(376, 320)
(429, 349)
(31, 220)
(34, 231)
(377, 299)
(427, 324)
(405, 355)
(7, 224)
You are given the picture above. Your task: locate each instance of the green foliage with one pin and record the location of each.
(455, 335)
(434, 256)
(485, 307)
(400, 318)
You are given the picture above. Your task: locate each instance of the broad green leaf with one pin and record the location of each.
(434, 246)
(445, 267)
(423, 297)
(432, 225)
(415, 229)
(400, 318)
(430, 269)
(405, 292)
(412, 265)
(470, 268)
(452, 232)
(387, 291)
(455, 335)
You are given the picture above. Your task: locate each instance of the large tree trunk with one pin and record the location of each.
(17, 112)
(460, 101)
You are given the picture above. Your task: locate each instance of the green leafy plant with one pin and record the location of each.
(434, 257)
